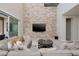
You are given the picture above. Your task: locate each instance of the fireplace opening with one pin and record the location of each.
(39, 27)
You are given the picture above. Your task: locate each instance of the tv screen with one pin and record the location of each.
(39, 27)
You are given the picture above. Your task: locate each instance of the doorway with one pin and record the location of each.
(1, 25)
(68, 29)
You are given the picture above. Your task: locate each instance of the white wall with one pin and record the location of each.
(75, 28)
(61, 22)
(14, 9)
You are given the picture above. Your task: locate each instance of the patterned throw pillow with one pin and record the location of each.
(17, 43)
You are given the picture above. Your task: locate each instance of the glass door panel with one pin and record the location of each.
(13, 28)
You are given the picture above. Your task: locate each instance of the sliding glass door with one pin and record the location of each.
(13, 27)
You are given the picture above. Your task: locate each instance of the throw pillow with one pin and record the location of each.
(17, 43)
(28, 41)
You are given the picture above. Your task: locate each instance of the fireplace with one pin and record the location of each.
(39, 27)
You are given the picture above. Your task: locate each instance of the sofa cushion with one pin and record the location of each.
(57, 53)
(23, 53)
(75, 52)
(3, 44)
(3, 53)
(76, 45)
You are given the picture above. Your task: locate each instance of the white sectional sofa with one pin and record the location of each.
(34, 51)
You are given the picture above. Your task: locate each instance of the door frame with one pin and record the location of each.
(5, 27)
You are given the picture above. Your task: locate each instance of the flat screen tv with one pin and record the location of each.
(39, 27)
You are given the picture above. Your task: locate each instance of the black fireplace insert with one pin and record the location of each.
(39, 27)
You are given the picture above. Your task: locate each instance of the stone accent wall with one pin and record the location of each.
(37, 13)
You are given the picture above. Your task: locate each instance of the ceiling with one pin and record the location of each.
(73, 11)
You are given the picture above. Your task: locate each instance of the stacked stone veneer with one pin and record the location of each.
(37, 13)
